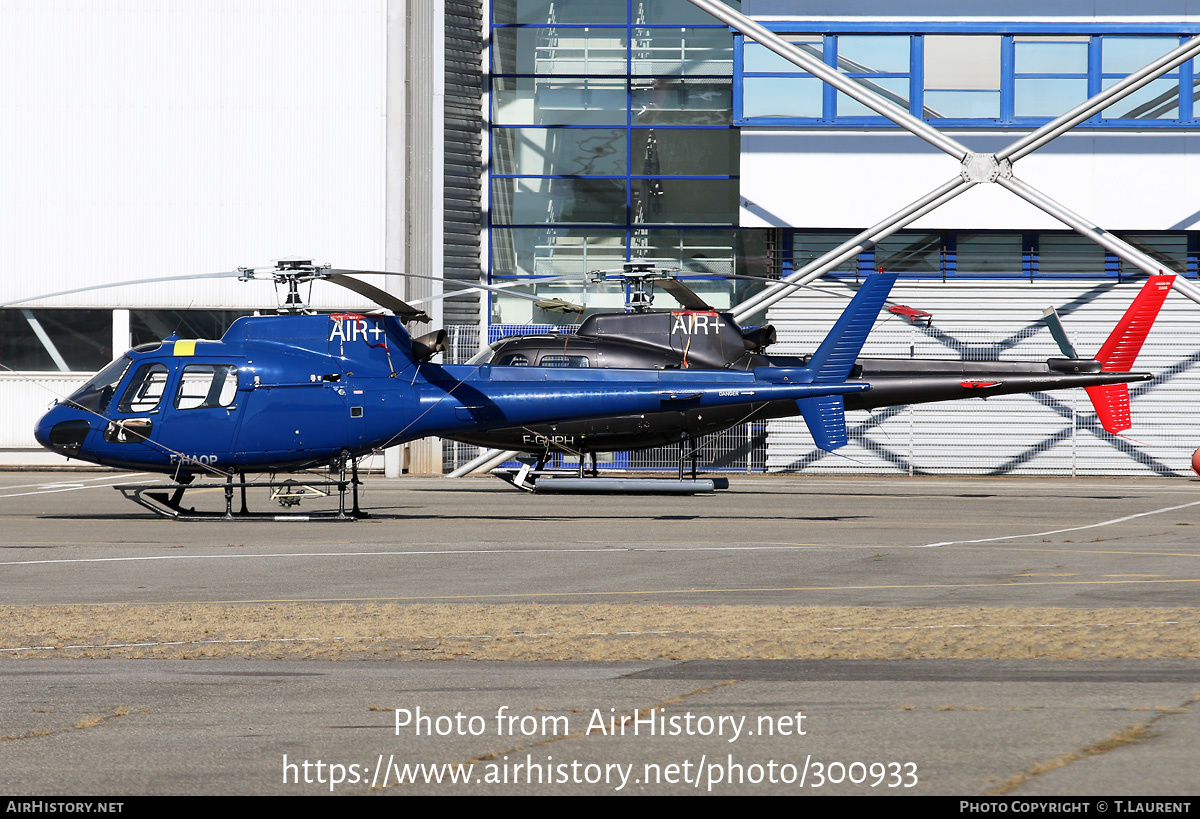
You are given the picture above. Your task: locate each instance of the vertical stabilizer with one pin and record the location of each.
(831, 363)
(1121, 350)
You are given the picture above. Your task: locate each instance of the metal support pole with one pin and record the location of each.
(354, 482)
(851, 248)
(342, 486)
(1088, 108)
(488, 459)
(1097, 234)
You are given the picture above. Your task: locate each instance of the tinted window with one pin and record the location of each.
(97, 393)
(563, 361)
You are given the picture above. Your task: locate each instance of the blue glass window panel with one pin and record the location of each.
(559, 151)
(962, 104)
(683, 51)
(808, 247)
(558, 101)
(561, 51)
(1069, 255)
(1168, 248)
(1047, 98)
(537, 201)
(679, 12)
(545, 12)
(685, 201)
(988, 254)
(873, 54)
(684, 152)
(790, 97)
(1050, 57)
(1124, 55)
(1157, 100)
(555, 251)
(664, 101)
(701, 252)
(893, 89)
(756, 58)
(912, 253)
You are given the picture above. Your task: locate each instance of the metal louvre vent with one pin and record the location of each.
(1051, 433)
(463, 152)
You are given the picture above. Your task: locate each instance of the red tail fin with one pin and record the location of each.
(1121, 350)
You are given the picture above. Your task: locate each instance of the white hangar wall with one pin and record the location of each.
(149, 139)
(818, 179)
(1041, 434)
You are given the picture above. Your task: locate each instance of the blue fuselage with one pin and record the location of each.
(284, 392)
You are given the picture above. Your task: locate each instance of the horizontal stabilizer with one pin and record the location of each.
(1112, 406)
(826, 419)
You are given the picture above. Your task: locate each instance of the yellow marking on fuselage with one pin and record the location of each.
(185, 347)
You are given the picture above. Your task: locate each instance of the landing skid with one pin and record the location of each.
(536, 478)
(560, 481)
(166, 500)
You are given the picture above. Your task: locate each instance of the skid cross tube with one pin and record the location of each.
(976, 167)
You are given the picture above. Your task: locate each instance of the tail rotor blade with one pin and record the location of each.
(1059, 333)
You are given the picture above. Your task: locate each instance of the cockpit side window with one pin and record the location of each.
(563, 361)
(513, 360)
(206, 385)
(96, 394)
(145, 390)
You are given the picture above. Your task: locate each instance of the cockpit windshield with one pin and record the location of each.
(97, 393)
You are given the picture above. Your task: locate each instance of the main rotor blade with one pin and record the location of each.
(401, 308)
(463, 284)
(225, 274)
(687, 298)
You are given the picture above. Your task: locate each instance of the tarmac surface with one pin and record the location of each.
(1089, 725)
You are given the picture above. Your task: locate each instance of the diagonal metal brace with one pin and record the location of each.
(975, 168)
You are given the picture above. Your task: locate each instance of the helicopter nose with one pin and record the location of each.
(65, 436)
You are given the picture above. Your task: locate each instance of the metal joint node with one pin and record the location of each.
(984, 168)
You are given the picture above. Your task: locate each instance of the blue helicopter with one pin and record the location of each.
(298, 390)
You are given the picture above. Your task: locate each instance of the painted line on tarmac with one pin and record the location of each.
(1061, 531)
(550, 550)
(49, 488)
